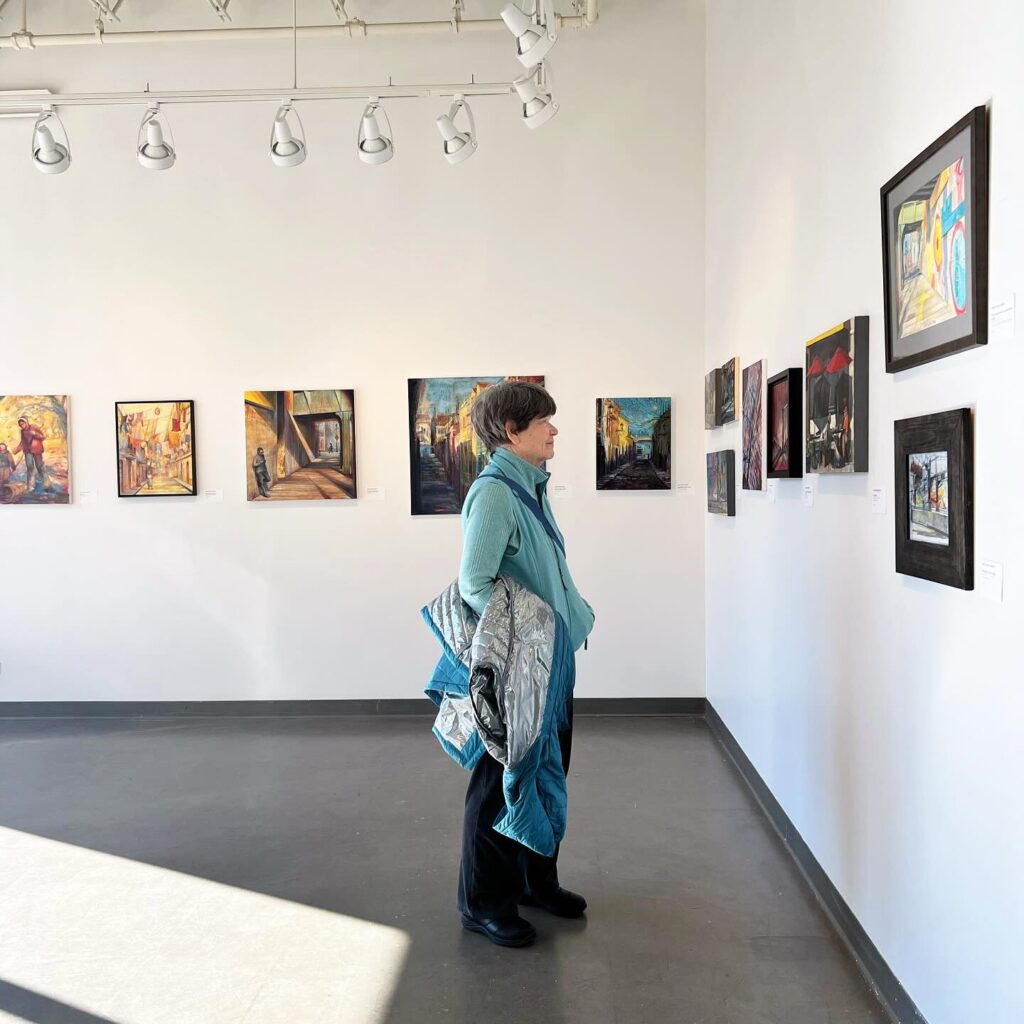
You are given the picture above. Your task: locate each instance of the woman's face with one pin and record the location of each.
(535, 444)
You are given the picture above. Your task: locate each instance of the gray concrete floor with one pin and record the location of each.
(697, 915)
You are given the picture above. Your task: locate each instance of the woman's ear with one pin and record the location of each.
(511, 432)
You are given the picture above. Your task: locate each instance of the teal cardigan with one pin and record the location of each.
(502, 536)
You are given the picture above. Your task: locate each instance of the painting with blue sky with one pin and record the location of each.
(634, 444)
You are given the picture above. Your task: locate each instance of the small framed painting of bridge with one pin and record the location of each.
(935, 498)
(634, 444)
(300, 445)
(445, 453)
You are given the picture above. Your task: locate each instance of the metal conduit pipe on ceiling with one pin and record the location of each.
(25, 40)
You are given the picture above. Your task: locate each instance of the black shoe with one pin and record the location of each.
(502, 931)
(559, 902)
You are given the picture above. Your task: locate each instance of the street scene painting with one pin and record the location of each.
(34, 467)
(836, 379)
(300, 445)
(634, 444)
(445, 454)
(722, 482)
(155, 450)
(929, 502)
(753, 426)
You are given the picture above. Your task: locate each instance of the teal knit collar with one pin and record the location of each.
(519, 469)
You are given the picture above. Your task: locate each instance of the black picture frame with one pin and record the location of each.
(142, 492)
(964, 233)
(721, 469)
(949, 561)
(794, 431)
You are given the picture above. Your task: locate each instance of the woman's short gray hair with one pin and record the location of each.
(513, 401)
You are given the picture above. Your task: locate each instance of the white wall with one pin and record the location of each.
(227, 274)
(884, 712)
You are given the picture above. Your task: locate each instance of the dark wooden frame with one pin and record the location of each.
(195, 464)
(794, 375)
(730, 493)
(977, 123)
(951, 432)
(858, 327)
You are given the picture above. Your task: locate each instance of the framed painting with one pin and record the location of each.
(784, 425)
(300, 445)
(753, 426)
(722, 482)
(445, 454)
(934, 495)
(634, 444)
(729, 390)
(935, 248)
(712, 389)
(34, 455)
(836, 408)
(156, 454)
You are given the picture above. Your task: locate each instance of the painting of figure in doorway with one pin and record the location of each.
(634, 444)
(445, 454)
(34, 463)
(300, 445)
(155, 449)
(721, 468)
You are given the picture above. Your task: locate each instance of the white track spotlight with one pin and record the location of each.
(48, 155)
(536, 34)
(154, 154)
(538, 104)
(373, 147)
(285, 149)
(458, 146)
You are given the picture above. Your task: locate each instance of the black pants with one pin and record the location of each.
(496, 871)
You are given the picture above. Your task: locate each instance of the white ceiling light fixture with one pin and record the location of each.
(534, 89)
(285, 149)
(373, 147)
(153, 152)
(535, 32)
(48, 155)
(458, 145)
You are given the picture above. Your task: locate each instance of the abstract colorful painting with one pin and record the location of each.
(34, 456)
(729, 390)
(445, 454)
(634, 444)
(836, 379)
(155, 448)
(721, 468)
(753, 426)
(935, 228)
(712, 388)
(927, 484)
(300, 445)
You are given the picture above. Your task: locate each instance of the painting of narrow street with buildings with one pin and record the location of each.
(300, 445)
(634, 444)
(155, 450)
(445, 454)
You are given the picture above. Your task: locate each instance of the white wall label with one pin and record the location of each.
(212, 494)
(87, 496)
(375, 494)
(990, 581)
(878, 501)
(1002, 319)
(773, 491)
(686, 489)
(809, 495)
(561, 491)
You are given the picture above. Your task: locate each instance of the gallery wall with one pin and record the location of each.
(555, 252)
(882, 711)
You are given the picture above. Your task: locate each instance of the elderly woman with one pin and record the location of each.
(502, 535)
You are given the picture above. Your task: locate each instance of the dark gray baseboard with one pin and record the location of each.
(660, 706)
(886, 986)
